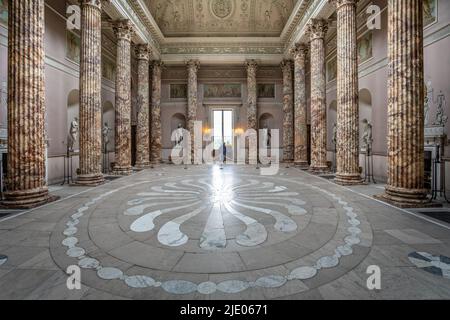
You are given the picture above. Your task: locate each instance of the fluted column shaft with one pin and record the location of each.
(317, 30)
(156, 145)
(252, 108)
(143, 113)
(288, 111)
(123, 31)
(405, 185)
(90, 94)
(347, 156)
(300, 108)
(192, 66)
(26, 105)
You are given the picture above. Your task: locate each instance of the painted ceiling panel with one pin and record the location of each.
(221, 18)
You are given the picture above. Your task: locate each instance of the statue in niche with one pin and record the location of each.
(105, 134)
(441, 118)
(367, 138)
(266, 136)
(334, 139)
(73, 134)
(179, 135)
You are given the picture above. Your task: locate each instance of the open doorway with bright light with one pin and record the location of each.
(223, 133)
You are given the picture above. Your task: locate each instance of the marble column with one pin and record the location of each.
(288, 111)
(143, 53)
(252, 107)
(405, 185)
(25, 180)
(317, 30)
(347, 157)
(300, 109)
(192, 66)
(123, 30)
(90, 94)
(156, 145)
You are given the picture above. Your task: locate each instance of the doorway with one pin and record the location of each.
(223, 132)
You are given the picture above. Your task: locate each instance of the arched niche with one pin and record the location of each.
(365, 108)
(175, 120)
(73, 111)
(266, 120)
(109, 117)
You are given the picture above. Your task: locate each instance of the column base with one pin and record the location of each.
(144, 165)
(27, 199)
(90, 180)
(348, 179)
(319, 169)
(122, 171)
(302, 164)
(406, 198)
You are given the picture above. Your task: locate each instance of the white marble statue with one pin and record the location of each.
(73, 134)
(367, 138)
(179, 135)
(105, 134)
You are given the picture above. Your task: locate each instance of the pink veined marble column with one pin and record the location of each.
(191, 112)
(90, 94)
(25, 181)
(300, 108)
(123, 30)
(317, 30)
(288, 111)
(347, 156)
(252, 108)
(405, 185)
(143, 53)
(156, 145)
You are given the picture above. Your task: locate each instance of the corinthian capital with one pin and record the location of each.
(193, 65)
(123, 29)
(93, 3)
(300, 50)
(286, 66)
(340, 3)
(251, 65)
(317, 28)
(143, 52)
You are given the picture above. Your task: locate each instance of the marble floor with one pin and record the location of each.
(208, 233)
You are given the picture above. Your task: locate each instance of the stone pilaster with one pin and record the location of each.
(300, 108)
(405, 185)
(347, 156)
(123, 30)
(288, 111)
(90, 94)
(317, 30)
(156, 145)
(192, 66)
(143, 53)
(26, 186)
(252, 107)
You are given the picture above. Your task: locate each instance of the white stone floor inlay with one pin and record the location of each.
(248, 200)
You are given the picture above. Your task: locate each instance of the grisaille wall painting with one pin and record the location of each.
(72, 47)
(4, 12)
(228, 90)
(365, 47)
(429, 12)
(221, 17)
(108, 69)
(266, 90)
(178, 91)
(332, 69)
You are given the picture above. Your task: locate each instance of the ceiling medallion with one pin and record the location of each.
(222, 8)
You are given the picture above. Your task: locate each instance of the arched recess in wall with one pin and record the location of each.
(109, 117)
(266, 120)
(331, 120)
(175, 120)
(73, 111)
(365, 109)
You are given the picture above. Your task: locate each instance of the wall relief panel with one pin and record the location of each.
(365, 51)
(228, 90)
(72, 47)
(266, 90)
(429, 12)
(178, 91)
(4, 12)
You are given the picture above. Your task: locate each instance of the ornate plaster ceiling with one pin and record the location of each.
(221, 18)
